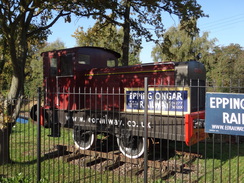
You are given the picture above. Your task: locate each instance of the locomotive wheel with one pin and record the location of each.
(131, 147)
(33, 112)
(84, 139)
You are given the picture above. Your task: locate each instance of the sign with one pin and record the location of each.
(165, 101)
(224, 113)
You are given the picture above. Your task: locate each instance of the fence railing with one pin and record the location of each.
(112, 135)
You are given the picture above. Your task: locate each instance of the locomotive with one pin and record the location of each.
(86, 90)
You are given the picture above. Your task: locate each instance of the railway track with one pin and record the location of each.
(113, 160)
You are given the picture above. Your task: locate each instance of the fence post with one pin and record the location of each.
(145, 128)
(38, 135)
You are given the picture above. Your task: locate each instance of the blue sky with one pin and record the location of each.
(225, 22)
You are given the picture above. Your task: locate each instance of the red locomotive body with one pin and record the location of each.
(86, 89)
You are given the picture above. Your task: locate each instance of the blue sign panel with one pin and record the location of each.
(167, 100)
(224, 113)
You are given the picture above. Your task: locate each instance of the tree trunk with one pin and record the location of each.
(4, 144)
(126, 39)
(18, 56)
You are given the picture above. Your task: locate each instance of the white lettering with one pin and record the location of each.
(157, 96)
(225, 102)
(233, 118)
(218, 102)
(108, 121)
(130, 96)
(150, 96)
(218, 127)
(141, 105)
(212, 102)
(225, 117)
(237, 118)
(229, 103)
(234, 128)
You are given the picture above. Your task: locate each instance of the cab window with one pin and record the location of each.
(84, 59)
(66, 65)
(110, 63)
(53, 67)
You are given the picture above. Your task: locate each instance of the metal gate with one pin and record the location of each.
(56, 153)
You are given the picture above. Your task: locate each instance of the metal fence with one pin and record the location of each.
(94, 142)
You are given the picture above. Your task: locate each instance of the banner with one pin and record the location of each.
(224, 113)
(166, 100)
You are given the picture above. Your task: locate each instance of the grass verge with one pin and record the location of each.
(221, 162)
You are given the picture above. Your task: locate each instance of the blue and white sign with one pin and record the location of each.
(224, 113)
(166, 101)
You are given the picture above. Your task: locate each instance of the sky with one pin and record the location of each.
(225, 23)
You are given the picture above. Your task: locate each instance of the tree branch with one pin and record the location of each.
(40, 29)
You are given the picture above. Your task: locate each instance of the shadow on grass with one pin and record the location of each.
(59, 151)
(220, 147)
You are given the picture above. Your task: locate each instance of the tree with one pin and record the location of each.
(134, 16)
(23, 23)
(226, 66)
(181, 45)
(34, 68)
(5, 75)
(107, 37)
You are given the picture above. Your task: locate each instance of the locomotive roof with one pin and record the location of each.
(89, 47)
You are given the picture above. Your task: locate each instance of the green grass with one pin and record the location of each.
(24, 159)
(221, 162)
